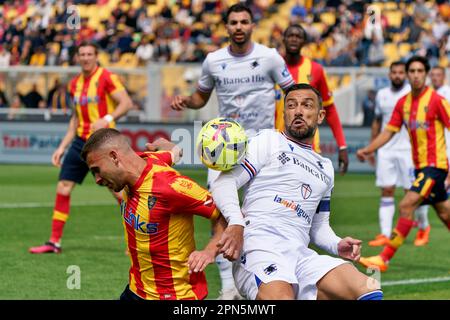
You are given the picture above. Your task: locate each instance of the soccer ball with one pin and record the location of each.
(221, 144)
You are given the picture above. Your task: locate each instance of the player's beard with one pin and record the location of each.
(245, 39)
(302, 134)
(398, 84)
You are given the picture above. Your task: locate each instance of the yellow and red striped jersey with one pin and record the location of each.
(311, 72)
(159, 230)
(91, 98)
(426, 118)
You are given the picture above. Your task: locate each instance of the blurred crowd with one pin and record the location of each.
(341, 32)
(42, 33)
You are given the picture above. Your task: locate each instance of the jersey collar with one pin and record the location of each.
(298, 143)
(250, 50)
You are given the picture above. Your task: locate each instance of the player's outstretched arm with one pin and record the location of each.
(196, 101)
(199, 260)
(377, 143)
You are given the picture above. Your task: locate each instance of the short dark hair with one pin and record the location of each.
(440, 68)
(395, 64)
(97, 139)
(88, 44)
(297, 26)
(420, 59)
(303, 86)
(238, 7)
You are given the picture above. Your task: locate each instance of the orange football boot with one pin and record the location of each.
(422, 237)
(375, 262)
(380, 240)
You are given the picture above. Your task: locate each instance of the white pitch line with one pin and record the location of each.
(414, 281)
(51, 204)
(16, 205)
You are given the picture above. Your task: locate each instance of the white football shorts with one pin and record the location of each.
(303, 270)
(394, 168)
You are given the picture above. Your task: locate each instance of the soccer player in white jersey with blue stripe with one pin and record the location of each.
(286, 206)
(394, 165)
(244, 75)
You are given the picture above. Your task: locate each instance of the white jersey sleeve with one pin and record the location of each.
(206, 81)
(321, 233)
(224, 189)
(279, 72)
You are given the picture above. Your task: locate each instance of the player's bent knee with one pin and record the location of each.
(275, 290)
(65, 187)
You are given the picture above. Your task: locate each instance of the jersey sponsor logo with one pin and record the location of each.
(151, 202)
(306, 190)
(83, 100)
(414, 125)
(270, 269)
(310, 170)
(133, 220)
(284, 158)
(294, 206)
(225, 81)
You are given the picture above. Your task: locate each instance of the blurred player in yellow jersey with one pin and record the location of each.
(304, 70)
(158, 217)
(98, 99)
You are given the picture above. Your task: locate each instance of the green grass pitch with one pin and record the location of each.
(93, 239)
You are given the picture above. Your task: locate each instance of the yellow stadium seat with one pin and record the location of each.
(346, 80)
(103, 58)
(390, 6)
(394, 18)
(391, 53)
(128, 60)
(333, 82)
(404, 49)
(328, 18)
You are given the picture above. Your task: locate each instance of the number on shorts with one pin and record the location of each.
(420, 177)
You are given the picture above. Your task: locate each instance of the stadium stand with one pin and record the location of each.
(46, 32)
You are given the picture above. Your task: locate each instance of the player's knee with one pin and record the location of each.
(64, 187)
(387, 192)
(275, 291)
(406, 209)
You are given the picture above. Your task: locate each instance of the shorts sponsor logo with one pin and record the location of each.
(270, 269)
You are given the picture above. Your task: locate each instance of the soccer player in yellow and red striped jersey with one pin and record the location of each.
(157, 210)
(98, 99)
(305, 70)
(426, 115)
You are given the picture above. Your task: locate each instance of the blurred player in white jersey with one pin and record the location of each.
(437, 77)
(395, 167)
(287, 205)
(244, 75)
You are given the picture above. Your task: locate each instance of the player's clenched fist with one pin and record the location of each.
(362, 154)
(179, 103)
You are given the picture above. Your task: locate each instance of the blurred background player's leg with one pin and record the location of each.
(228, 290)
(386, 178)
(423, 234)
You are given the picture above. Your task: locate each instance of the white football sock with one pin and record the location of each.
(386, 213)
(421, 214)
(226, 272)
